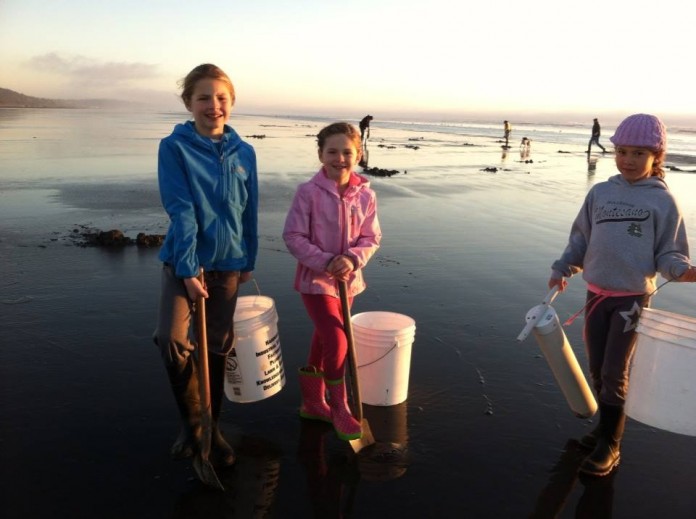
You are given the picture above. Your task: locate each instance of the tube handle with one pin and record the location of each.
(533, 319)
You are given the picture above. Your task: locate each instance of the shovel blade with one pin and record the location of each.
(206, 472)
(365, 440)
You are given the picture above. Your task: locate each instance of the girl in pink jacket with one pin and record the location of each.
(332, 229)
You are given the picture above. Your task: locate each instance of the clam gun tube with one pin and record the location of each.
(543, 322)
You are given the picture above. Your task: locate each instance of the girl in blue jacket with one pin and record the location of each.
(208, 186)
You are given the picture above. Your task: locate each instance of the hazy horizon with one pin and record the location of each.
(406, 59)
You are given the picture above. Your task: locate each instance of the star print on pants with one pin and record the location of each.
(631, 317)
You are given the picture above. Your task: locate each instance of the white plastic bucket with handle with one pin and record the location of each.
(383, 343)
(254, 369)
(662, 387)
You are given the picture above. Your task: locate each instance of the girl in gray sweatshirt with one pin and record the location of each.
(628, 229)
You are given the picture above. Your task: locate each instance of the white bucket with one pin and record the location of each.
(254, 368)
(383, 349)
(662, 388)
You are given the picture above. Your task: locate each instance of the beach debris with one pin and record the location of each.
(255, 136)
(491, 169)
(379, 172)
(86, 237)
(389, 147)
(489, 406)
(561, 151)
(412, 146)
(17, 301)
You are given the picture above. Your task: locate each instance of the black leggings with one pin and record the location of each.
(610, 338)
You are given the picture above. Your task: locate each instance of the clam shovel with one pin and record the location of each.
(202, 465)
(366, 438)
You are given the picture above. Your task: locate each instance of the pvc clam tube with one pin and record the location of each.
(543, 322)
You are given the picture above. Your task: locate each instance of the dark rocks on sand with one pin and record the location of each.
(115, 238)
(379, 172)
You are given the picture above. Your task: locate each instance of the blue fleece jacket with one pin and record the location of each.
(210, 192)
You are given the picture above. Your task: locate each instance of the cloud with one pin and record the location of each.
(90, 72)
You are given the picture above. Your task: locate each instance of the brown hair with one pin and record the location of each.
(339, 128)
(205, 71)
(657, 169)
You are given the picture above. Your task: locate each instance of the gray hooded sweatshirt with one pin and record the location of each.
(624, 234)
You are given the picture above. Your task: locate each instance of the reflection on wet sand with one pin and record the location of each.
(597, 499)
(332, 479)
(387, 459)
(251, 485)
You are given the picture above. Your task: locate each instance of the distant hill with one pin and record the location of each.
(11, 99)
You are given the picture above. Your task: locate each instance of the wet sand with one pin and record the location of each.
(88, 418)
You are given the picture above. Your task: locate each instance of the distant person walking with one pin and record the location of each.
(365, 129)
(507, 129)
(596, 130)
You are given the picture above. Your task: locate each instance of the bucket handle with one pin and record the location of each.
(395, 345)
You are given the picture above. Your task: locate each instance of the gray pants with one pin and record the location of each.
(610, 338)
(175, 335)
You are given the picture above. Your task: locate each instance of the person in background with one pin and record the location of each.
(507, 129)
(365, 129)
(594, 139)
(333, 230)
(628, 229)
(208, 187)
(525, 148)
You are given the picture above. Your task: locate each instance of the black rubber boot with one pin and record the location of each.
(606, 455)
(184, 383)
(222, 452)
(589, 440)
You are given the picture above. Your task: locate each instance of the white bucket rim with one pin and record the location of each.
(266, 315)
(376, 317)
(671, 319)
(664, 336)
(662, 325)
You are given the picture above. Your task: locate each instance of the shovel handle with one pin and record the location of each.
(348, 329)
(203, 370)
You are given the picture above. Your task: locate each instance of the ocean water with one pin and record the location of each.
(469, 229)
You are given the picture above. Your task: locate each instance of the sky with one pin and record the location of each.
(390, 58)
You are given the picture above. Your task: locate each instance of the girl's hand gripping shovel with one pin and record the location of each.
(202, 465)
(366, 439)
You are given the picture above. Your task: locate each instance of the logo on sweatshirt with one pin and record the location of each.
(635, 230)
(615, 213)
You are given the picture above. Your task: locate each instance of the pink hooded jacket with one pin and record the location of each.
(321, 225)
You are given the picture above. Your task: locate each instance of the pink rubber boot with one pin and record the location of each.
(346, 426)
(312, 386)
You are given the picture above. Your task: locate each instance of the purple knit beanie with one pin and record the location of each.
(641, 131)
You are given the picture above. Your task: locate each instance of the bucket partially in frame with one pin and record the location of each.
(662, 387)
(254, 369)
(383, 348)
